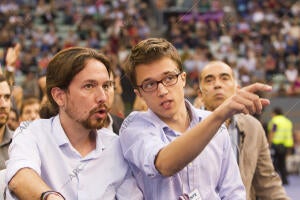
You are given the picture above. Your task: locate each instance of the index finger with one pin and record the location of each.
(256, 87)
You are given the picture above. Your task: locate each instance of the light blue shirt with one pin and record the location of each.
(214, 173)
(102, 174)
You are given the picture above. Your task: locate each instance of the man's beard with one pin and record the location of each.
(89, 122)
(93, 124)
(3, 120)
(2, 124)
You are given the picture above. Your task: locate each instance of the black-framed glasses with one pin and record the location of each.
(152, 85)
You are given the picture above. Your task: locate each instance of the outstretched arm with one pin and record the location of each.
(184, 149)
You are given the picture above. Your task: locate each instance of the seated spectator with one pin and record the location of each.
(291, 72)
(5, 132)
(30, 109)
(13, 119)
(294, 88)
(53, 158)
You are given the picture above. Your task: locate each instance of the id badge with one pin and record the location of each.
(195, 195)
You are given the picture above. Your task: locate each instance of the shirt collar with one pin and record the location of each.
(195, 119)
(62, 139)
(110, 125)
(59, 132)
(192, 112)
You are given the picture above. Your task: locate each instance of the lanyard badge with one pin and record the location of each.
(194, 195)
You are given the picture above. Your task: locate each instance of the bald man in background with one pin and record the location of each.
(249, 143)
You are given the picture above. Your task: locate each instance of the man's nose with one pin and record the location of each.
(101, 95)
(34, 115)
(3, 101)
(161, 89)
(217, 83)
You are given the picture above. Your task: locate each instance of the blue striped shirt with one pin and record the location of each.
(214, 173)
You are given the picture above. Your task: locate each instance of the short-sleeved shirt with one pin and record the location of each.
(102, 174)
(7, 137)
(213, 173)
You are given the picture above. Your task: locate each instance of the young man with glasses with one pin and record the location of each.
(175, 150)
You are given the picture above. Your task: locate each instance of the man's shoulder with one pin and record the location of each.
(250, 126)
(247, 119)
(137, 117)
(33, 126)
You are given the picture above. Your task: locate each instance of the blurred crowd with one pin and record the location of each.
(260, 40)
(42, 28)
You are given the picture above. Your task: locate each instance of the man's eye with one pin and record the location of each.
(208, 80)
(89, 86)
(150, 84)
(7, 97)
(106, 86)
(170, 78)
(225, 78)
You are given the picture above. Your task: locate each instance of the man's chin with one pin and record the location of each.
(2, 122)
(99, 123)
(94, 124)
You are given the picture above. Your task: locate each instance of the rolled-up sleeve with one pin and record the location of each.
(23, 153)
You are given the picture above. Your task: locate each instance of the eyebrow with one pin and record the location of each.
(5, 94)
(208, 76)
(225, 74)
(89, 81)
(222, 74)
(164, 73)
(96, 81)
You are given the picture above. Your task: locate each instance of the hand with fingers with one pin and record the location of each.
(12, 55)
(246, 101)
(11, 59)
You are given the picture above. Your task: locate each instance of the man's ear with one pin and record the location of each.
(199, 90)
(137, 92)
(183, 77)
(58, 95)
